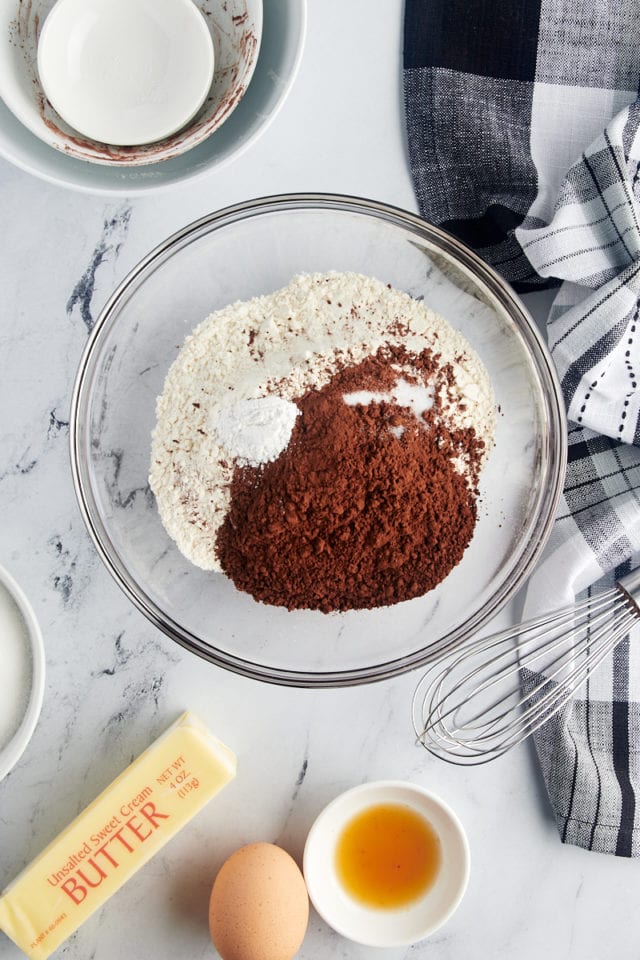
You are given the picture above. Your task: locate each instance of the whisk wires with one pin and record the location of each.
(491, 693)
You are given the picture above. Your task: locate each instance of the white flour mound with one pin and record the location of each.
(281, 345)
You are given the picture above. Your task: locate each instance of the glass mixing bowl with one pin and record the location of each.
(255, 248)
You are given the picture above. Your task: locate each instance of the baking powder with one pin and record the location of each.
(255, 431)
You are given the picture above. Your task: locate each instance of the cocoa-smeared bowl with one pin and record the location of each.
(255, 248)
(235, 27)
(251, 82)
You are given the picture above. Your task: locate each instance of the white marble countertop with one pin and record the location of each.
(114, 682)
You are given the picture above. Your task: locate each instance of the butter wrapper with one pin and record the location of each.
(119, 832)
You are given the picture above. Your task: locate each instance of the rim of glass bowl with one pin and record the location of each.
(469, 263)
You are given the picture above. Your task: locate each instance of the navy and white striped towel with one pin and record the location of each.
(523, 126)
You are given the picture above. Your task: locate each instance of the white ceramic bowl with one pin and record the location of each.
(385, 927)
(283, 31)
(236, 29)
(126, 72)
(25, 723)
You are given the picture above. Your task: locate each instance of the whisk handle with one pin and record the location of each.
(630, 585)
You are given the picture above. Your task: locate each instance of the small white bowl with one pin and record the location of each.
(29, 705)
(126, 72)
(385, 927)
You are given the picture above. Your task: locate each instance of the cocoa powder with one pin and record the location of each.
(365, 507)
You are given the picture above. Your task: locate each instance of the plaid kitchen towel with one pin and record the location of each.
(590, 752)
(523, 125)
(500, 98)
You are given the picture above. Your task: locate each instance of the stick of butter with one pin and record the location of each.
(120, 831)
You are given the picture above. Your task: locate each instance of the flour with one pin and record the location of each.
(279, 346)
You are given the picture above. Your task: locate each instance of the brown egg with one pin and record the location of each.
(259, 907)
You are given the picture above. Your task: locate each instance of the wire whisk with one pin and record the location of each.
(489, 694)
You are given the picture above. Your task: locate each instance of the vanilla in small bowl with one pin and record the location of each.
(387, 856)
(386, 863)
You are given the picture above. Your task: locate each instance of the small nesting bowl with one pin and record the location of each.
(254, 248)
(235, 27)
(379, 927)
(126, 72)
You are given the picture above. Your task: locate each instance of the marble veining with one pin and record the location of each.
(108, 246)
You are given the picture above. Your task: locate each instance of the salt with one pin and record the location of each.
(417, 397)
(15, 667)
(256, 431)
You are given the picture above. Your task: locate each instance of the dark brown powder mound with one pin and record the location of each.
(351, 515)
